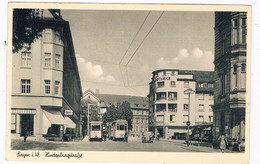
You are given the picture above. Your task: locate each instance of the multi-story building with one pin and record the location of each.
(230, 65)
(139, 107)
(46, 88)
(169, 105)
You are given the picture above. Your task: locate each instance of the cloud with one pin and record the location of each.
(196, 59)
(92, 72)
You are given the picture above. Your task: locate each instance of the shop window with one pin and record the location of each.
(47, 60)
(47, 86)
(186, 84)
(26, 86)
(172, 96)
(26, 58)
(160, 84)
(54, 130)
(172, 107)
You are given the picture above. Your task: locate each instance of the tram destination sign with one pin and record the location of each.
(163, 78)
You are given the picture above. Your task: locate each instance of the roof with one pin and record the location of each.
(135, 101)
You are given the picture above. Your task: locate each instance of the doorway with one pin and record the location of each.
(27, 124)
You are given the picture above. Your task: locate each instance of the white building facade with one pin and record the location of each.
(169, 104)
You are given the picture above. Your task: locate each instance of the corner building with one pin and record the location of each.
(46, 88)
(230, 65)
(168, 103)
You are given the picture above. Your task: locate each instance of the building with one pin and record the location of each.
(169, 105)
(230, 65)
(46, 87)
(139, 107)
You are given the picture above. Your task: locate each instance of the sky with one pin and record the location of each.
(117, 51)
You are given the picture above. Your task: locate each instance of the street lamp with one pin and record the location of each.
(188, 91)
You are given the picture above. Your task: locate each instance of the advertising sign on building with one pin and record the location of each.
(68, 112)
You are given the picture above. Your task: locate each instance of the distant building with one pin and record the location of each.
(230, 65)
(139, 107)
(169, 105)
(46, 88)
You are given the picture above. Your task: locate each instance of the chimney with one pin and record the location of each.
(97, 91)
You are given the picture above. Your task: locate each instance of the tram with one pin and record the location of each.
(96, 131)
(117, 129)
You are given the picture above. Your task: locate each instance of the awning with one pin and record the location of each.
(71, 124)
(55, 117)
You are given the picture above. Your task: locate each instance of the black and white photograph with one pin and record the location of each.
(129, 80)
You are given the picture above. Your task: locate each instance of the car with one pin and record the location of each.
(147, 137)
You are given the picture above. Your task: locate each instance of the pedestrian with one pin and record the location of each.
(126, 136)
(158, 136)
(223, 142)
(104, 136)
(238, 141)
(25, 134)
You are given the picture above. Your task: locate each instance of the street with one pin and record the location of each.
(134, 144)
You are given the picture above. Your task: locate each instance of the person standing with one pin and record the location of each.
(223, 142)
(158, 136)
(126, 136)
(25, 134)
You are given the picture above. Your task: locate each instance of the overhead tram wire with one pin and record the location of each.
(134, 37)
(141, 44)
(105, 83)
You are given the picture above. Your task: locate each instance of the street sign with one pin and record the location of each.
(68, 112)
(188, 123)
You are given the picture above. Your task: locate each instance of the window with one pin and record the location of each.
(210, 118)
(146, 129)
(201, 96)
(47, 86)
(26, 86)
(47, 35)
(13, 123)
(244, 33)
(235, 32)
(186, 107)
(223, 84)
(142, 120)
(172, 107)
(160, 107)
(47, 60)
(137, 120)
(137, 128)
(243, 68)
(185, 118)
(57, 87)
(201, 118)
(161, 95)
(235, 69)
(172, 118)
(210, 108)
(159, 118)
(201, 107)
(173, 73)
(173, 84)
(57, 61)
(57, 37)
(201, 85)
(164, 73)
(211, 96)
(26, 59)
(160, 84)
(210, 85)
(186, 84)
(172, 96)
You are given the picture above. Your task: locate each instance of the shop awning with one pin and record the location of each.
(55, 117)
(71, 124)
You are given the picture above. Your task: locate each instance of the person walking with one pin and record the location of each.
(223, 142)
(238, 141)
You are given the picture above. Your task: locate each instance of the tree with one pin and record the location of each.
(26, 28)
(121, 111)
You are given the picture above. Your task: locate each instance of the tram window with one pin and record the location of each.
(95, 127)
(122, 127)
(117, 127)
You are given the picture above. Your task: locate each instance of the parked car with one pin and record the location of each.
(147, 137)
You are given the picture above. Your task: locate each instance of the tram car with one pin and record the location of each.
(96, 130)
(117, 129)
